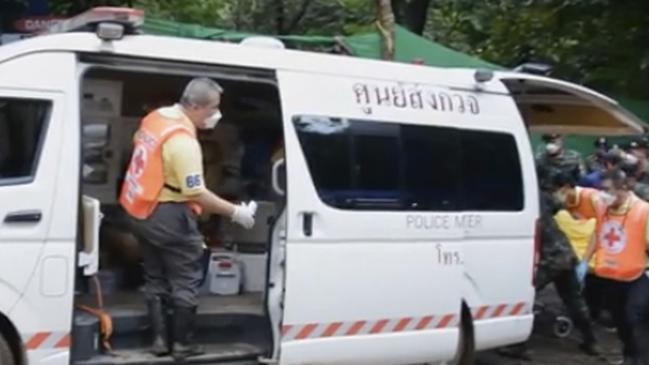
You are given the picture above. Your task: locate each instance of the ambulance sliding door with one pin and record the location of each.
(371, 278)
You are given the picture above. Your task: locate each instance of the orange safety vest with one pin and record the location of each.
(145, 177)
(584, 209)
(621, 242)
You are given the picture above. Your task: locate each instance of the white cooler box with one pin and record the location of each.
(223, 275)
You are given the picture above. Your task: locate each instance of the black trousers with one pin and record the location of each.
(172, 247)
(595, 296)
(629, 306)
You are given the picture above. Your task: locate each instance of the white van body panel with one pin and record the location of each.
(391, 258)
(37, 260)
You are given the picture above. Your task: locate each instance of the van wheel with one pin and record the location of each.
(466, 346)
(6, 357)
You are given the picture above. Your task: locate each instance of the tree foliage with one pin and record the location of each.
(600, 43)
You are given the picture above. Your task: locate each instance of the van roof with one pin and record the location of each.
(216, 52)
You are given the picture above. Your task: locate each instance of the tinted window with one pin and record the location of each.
(430, 165)
(21, 128)
(389, 166)
(491, 173)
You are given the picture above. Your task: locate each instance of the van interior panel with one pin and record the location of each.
(232, 321)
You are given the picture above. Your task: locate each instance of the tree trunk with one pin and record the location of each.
(397, 10)
(279, 16)
(415, 15)
(385, 23)
(298, 16)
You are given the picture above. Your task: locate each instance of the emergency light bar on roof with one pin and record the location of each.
(129, 18)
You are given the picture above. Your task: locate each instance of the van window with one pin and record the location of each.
(491, 173)
(22, 123)
(367, 165)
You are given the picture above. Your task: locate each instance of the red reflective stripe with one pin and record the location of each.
(331, 329)
(402, 324)
(444, 322)
(424, 322)
(517, 308)
(499, 310)
(378, 327)
(306, 331)
(64, 342)
(285, 329)
(36, 340)
(355, 328)
(481, 312)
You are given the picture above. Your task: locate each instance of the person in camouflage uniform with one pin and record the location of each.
(639, 186)
(638, 149)
(555, 157)
(596, 161)
(557, 263)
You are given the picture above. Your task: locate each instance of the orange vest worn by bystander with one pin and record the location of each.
(621, 242)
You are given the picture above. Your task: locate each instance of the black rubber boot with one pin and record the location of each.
(183, 334)
(589, 346)
(157, 315)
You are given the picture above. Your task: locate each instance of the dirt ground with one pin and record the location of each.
(547, 349)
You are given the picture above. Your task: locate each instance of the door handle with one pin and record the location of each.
(27, 216)
(307, 223)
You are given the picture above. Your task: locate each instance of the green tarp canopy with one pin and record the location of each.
(408, 47)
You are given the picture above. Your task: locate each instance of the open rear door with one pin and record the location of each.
(551, 105)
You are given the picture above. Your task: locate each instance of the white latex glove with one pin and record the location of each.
(244, 214)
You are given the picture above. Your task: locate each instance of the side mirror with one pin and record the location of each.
(279, 177)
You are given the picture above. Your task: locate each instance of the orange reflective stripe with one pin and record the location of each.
(301, 332)
(45, 340)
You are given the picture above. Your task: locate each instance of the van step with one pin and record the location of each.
(219, 320)
(221, 353)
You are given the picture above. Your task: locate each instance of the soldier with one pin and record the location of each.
(557, 265)
(611, 160)
(631, 168)
(596, 161)
(638, 149)
(558, 262)
(555, 157)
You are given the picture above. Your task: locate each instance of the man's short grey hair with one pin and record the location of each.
(200, 91)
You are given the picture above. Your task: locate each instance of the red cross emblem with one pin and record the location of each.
(139, 160)
(612, 237)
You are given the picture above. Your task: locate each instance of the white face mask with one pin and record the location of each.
(552, 148)
(213, 120)
(560, 197)
(606, 198)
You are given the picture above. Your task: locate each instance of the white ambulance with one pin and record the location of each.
(397, 202)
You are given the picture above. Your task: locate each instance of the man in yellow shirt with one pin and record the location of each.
(163, 193)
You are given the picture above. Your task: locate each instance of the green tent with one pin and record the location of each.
(408, 48)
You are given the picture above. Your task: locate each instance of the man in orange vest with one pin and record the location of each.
(163, 192)
(621, 242)
(579, 201)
